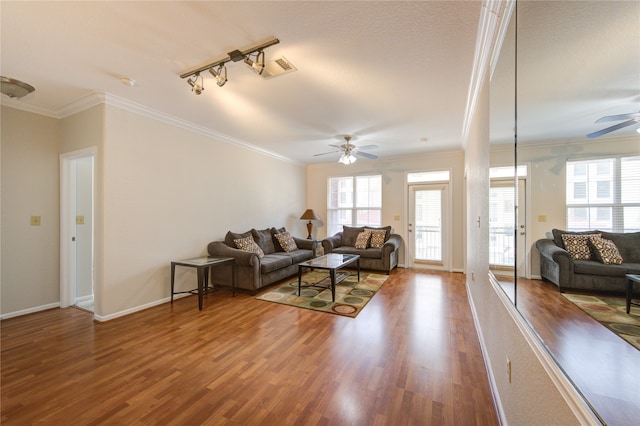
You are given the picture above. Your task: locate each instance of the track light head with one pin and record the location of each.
(257, 64)
(220, 75)
(196, 83)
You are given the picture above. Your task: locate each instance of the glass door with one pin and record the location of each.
(428, 226)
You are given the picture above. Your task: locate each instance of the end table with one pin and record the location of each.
(202, 265)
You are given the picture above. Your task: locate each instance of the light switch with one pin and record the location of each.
(542, 218)
(35, 220)
(396, 217)
(79, 220)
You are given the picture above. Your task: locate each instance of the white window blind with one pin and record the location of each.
(354, 201)
(604, 194)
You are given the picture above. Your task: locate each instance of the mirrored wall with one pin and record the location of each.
(562, 66)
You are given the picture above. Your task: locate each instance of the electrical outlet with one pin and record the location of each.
(509, 369)
(473, 276)
(35, 220)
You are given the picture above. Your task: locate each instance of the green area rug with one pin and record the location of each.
(612, 313)
(351, 295)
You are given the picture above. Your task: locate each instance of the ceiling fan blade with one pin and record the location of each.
(365, 155)
(368, 147)
(325, 153)
(612, 128)
(336, 146)
(619, 117)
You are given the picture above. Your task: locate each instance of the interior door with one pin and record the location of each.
(507, 236)
(429, 226)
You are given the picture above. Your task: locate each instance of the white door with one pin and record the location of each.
(503, 248)
(429, 226)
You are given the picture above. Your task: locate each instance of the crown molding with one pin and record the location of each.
(93, 99)
(22, 106)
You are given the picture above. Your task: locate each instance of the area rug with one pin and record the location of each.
(351, 295)
(612, 313)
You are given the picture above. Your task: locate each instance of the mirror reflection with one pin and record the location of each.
(577, 62)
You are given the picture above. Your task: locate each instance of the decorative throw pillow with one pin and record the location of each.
(286, 241)
(362, 241)
(247, 244)
(377, 237)
(605, 251)
(577, 245)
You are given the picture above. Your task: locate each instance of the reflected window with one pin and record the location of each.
(604, 194)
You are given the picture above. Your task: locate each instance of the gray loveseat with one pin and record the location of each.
(384, 258)
(253, 272)
(558, 266)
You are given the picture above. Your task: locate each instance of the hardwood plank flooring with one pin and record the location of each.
(411, 356)
(604, 367)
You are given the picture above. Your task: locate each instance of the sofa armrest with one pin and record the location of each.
(242, 257)
(306, 244)
(549, 249)
(392, 244)
(330, 243)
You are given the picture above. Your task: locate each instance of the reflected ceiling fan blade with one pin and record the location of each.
(336, 146)
(325, 153)
(368, 147)
(613, 128)
(619, 117)
(365, 155)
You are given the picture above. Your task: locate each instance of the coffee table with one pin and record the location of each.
(331, 262)
(631, 278)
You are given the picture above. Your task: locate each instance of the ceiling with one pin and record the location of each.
(389, 73)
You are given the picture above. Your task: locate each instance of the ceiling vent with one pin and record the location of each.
(276, 67)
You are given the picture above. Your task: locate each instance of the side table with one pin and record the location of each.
(202, 265)
(631, 278)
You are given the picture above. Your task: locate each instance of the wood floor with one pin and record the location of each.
(603, 367)
(410, 357)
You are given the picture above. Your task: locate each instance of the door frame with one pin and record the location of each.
(67, 223)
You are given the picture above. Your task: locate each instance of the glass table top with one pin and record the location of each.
(330, 261)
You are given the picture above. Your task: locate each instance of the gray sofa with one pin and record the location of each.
(557, 265)
(253, 272)
(377, 259)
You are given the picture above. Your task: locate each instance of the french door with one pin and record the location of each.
(429, 234)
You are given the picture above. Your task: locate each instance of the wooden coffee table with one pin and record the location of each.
(331, 262)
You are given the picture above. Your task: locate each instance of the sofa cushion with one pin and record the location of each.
(264, 239)
(350, 234)
(632, 268)
(248, 244)
(577, 245)
(557, 235)
(628, 245)
(297, 256)
(228, 239)
(362, 241)
(273, 262)
(377, 237)
(370, 253)
(286, 241)
(604, 251)
(592, 267)
(386, 229)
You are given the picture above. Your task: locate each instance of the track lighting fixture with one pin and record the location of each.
(197, 84)
(220, 74)
(253, 57)
(257, 64)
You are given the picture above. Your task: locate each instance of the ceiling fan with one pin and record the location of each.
(350, 151)
(631, 119)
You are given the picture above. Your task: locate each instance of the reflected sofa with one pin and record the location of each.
(383, 258)
(558, 266)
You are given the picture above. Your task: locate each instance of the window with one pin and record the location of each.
(354, 201)
(604, 194)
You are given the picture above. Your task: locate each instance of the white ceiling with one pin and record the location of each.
(390, 73)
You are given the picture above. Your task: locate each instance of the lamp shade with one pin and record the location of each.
(309, 214)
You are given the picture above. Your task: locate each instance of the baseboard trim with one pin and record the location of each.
(105, 318)
(30, 310)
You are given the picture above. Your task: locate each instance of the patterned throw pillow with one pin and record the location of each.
(577, 245)
(377, 237)
(286, 241)
(362, 241)
(605, 251)
(247, 244)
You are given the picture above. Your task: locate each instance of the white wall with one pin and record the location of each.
(394, 192)
(168, 192)
(30, 262)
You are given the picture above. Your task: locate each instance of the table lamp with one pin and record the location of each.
(309, 215)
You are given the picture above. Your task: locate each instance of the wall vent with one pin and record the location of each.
(276, 67)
